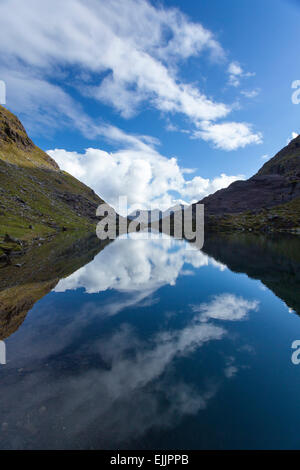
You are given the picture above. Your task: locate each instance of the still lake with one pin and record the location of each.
(155, 345)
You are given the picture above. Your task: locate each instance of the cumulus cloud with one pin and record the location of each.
(201, 187)
(228, 135)
(140, 172)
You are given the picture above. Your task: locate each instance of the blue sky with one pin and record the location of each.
(208, 83)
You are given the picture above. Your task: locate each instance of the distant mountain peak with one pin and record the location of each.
(154, 215)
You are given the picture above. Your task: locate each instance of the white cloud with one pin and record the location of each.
(236, 73)
(265, 157)
(228, 135)
(148, 179)
(200, 187)
(132, 49)
(173, 128)
(107, 53)
(292, 137)
(235, 69)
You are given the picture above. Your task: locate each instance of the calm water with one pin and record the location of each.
(155, 346)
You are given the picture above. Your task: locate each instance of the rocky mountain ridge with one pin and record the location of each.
(277, 182)
(269, 200)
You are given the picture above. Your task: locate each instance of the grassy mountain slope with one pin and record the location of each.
(37, 199)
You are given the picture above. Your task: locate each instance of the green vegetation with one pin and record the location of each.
(37, 199)
(282, 218)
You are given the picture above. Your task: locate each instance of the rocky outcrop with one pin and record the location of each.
(81, 205)
(12, 130)
(13, 134)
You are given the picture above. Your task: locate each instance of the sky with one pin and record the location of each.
(162, 102)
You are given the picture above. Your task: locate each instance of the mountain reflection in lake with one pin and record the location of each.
(152, 345)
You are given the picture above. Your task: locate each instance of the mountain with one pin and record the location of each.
(146, 216)
(37, 199)
(269, 200)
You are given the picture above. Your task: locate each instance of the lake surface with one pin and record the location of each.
(155, 345)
